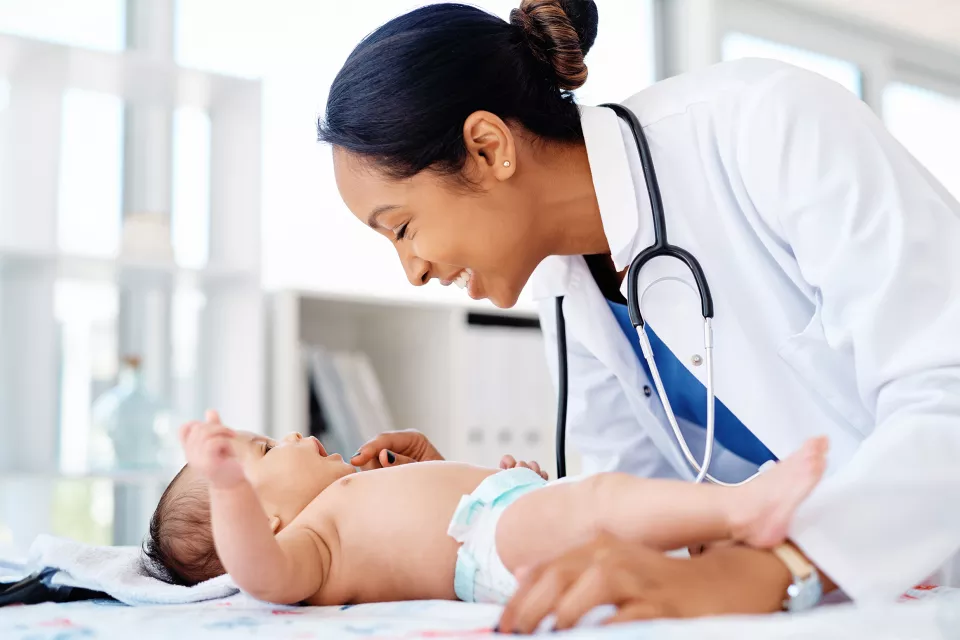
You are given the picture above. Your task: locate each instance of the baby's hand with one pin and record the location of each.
(208, 447)
(509, 462)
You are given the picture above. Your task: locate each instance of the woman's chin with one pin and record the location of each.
(502, 297)
(502, 300)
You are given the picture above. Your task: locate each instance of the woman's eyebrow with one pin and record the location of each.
(373, 219)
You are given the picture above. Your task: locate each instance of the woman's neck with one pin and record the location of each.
(568, 215)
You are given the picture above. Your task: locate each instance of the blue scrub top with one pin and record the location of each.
(688, 396)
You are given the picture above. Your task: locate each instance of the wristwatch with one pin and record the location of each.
(806, 590)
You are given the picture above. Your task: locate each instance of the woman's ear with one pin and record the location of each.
(491, 147)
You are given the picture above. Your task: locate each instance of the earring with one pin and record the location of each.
(506, 163)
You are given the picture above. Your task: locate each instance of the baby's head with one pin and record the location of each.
(286, 475)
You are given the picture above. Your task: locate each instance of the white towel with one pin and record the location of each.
(117, 571)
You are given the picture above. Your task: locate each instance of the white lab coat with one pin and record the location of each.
(834, 262)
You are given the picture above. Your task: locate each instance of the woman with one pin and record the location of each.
(829, 252)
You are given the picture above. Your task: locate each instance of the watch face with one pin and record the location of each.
(804, 594)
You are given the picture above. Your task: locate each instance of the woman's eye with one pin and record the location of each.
(402, 230)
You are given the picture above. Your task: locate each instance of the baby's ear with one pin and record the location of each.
(274, 523)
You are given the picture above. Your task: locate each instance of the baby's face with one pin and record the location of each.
(287, 474)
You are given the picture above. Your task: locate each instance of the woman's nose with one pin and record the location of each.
(417, 269)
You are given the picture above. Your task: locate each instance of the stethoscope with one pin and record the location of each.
(659, 248)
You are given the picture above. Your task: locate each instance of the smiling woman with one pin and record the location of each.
(458, 167)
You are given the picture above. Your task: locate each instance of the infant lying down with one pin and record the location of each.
(292, 524)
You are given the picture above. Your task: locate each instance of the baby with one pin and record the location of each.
(292, 524)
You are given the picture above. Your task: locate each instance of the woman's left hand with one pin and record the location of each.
(644, 584)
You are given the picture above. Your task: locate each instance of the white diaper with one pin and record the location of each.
(480, 574)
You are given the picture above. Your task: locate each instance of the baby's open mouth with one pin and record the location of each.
(320, 449)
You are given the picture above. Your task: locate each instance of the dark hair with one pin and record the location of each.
(179, 548)
(403, 94)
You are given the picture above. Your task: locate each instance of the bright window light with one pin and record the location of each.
(91, 159)
(927, 123)
(190, 219)
(92, 24)
(740, 45)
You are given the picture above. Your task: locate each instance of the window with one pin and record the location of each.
(190, 217)
(87, 315)
(740, 45)
(307, 232)
(91, 170)
(93, 24)
(622, 61)
(928, 125)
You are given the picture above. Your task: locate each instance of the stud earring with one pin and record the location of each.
(506, 163)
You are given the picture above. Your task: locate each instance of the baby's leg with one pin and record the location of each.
(664, 514)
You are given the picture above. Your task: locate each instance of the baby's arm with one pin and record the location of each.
(286, 568)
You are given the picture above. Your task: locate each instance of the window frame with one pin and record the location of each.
(883, 56)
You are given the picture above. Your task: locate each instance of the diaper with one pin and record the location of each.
(480, 574)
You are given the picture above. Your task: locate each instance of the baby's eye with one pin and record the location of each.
(267, 447)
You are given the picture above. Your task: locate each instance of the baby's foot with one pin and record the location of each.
(764, 506)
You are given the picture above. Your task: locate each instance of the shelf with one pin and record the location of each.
(135, 77)
(121, 270)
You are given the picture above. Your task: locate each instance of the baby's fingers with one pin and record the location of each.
(187, 430)
(219, 447)
(536, 467)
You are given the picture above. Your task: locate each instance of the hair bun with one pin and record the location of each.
(560, 33)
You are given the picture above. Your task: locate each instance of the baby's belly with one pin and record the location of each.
(392, 533)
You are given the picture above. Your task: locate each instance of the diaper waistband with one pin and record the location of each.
(498, 490)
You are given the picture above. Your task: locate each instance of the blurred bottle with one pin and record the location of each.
(130, 428)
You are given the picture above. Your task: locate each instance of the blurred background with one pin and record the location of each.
(171, 237)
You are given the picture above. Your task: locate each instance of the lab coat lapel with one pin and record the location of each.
(589, 318)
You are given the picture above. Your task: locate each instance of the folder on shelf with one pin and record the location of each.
(350, 406)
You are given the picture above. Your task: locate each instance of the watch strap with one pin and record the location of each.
(806, 590)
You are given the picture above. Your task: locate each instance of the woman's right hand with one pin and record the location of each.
(394, 448)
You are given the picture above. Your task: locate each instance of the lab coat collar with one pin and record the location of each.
(613, 181)
(619, 197)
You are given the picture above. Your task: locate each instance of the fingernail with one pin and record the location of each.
(391, 458)
(355, 455)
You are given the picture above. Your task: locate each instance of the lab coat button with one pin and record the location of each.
(647, 391)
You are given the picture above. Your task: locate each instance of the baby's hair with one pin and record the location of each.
(179, 548)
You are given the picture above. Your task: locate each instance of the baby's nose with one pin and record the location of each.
(293, 437)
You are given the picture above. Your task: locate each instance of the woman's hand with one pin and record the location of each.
(645, 584)
(509, 462)
(393, 448)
